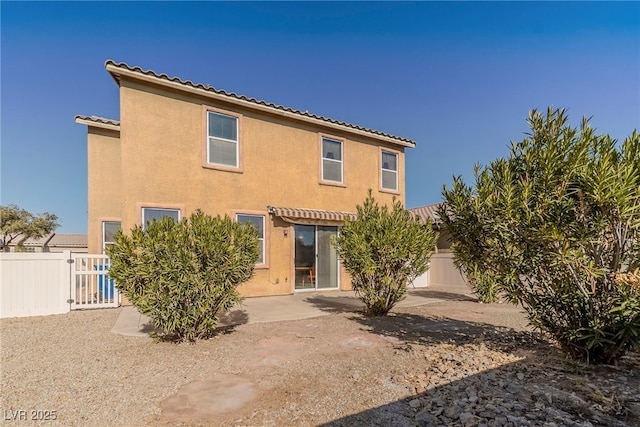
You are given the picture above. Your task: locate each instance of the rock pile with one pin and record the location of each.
(476, 385)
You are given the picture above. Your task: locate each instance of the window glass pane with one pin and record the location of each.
(110, 228)
(389, 180)
(331, 149)
(150, 214)
(222, 152)
(260, 251)
(256, 220)
(258, 223)
(389, 161)
(331, 170)
(221, 126)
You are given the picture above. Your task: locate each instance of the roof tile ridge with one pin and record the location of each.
(210, 88)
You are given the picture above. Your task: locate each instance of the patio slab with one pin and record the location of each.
(301, 305)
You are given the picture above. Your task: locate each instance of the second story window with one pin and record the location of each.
(389, 171)
(331, 160)
(222, 144)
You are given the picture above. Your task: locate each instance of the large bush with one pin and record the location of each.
(384, 250)
(182, 274)
(557, 226)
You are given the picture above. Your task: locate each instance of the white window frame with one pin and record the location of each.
(383, 169)
(323, 158)
(262, 239)
(144, 223)
(211, 138)
(104, 242)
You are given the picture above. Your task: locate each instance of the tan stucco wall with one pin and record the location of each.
(104, 183)
(162, 139)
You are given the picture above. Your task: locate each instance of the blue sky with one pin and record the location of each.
(457, 77)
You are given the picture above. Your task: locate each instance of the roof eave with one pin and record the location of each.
(97, 124)
(117, 72)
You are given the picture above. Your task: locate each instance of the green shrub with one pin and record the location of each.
(384, 251)
(599, 327)
(182, 274)
(483, 284)
(557, 224)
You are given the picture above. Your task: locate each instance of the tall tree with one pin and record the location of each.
(16, 222)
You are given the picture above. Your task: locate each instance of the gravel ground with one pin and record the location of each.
(448, 363)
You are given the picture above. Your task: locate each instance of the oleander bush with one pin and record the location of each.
(384, 249)
(483, 284)
(183, 274)
(556, 224)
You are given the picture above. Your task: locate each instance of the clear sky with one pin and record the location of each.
(459, 78)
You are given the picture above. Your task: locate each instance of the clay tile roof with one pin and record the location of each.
(121, 65)
(315, 214)
(427, 213)
(98, 122)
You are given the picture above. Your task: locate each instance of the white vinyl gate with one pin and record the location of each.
(90, 285)
(38, 284)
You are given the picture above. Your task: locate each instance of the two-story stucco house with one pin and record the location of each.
(181, 146)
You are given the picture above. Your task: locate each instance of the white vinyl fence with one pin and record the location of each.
(37, 284)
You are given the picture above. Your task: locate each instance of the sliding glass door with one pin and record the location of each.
(305, 256)
(327, 258)
(316, 260)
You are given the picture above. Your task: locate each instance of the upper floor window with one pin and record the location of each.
(154, 214)
(223, 143)
(389, 171)
(332, 160)
(109, 230)
(258, 223)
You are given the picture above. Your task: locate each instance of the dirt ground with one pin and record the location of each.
(397, 346)
(455, 362)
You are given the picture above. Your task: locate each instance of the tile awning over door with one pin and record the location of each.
(310, 215)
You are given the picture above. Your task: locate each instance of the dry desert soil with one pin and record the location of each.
(452, 362)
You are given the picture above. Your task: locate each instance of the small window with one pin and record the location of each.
(153, 214)
(331, 160)
(389, 171)
(258, 223)
(109, 230)
(222, 146)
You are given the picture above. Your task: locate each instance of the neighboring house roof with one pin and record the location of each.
(427, 213)
(118, 69)
(100, 122)
(17, 239)
(315, 214)
(37, 242)
(69, 240)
